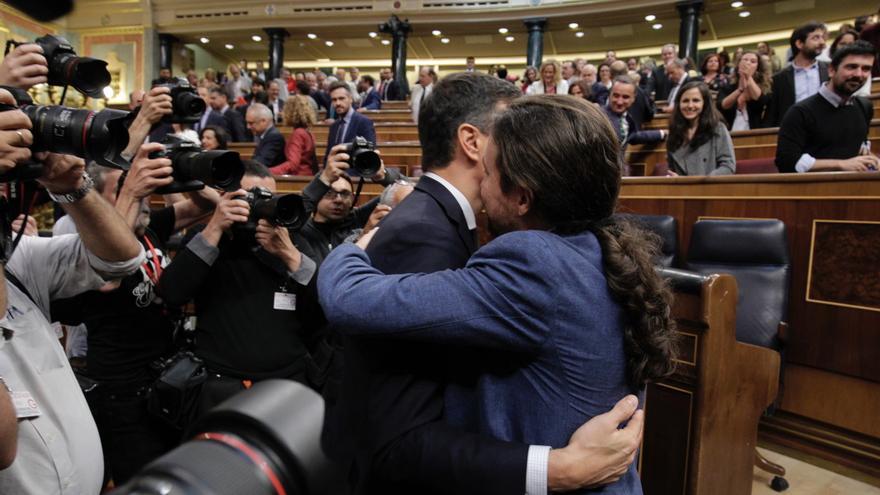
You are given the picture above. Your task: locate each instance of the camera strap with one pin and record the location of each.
(357, 193)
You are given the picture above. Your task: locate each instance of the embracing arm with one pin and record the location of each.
(491, 303)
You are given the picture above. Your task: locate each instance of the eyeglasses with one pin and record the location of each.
(331, 194)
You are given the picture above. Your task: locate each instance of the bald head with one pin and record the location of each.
(618, 68)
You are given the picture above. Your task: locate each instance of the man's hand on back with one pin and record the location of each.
(598, 452)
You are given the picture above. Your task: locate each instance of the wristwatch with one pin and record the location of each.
(74, 196)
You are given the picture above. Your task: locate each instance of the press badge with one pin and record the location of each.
(25, 405)
(285, 301)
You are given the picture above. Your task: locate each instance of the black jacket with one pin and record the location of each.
(270, 149)
(783, 94)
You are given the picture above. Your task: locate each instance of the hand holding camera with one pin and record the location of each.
(157, 105)
(147, 174)
(233, 208)
(15, 135)
(337, 164)
(62, 174)
(24, 67)
(275, 240)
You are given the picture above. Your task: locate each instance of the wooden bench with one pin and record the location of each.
(701, 424)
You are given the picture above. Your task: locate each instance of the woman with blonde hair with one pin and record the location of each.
(551, 82)
(744, 100)
(300, 147)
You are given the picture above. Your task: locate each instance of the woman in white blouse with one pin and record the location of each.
(551, 82)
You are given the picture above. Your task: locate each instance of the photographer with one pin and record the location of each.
(156, 104)
(330, 197)
(58, 444)
(255, 315)
(129, 326)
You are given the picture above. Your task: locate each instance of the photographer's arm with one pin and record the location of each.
(156, 104)
(195, 206)
(8, 430)
(144, 176)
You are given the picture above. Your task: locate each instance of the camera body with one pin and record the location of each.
(283, 210)
(88, 75)
(195, 168)
(99, 136)
(186, 105)
(363, 158)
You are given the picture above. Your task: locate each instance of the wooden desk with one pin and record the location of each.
(832, 376)
(701, 424)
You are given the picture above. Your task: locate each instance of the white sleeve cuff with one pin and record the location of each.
(804, 163)
(536, 470)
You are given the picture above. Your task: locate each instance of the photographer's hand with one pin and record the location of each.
(231, 209)
(62, 174)
(337, 164)
(30, 228)
(380, 175)
(15, 135)
(156, 104)
(378, 214)
(276, 241)
(145, 176)
(24, 67)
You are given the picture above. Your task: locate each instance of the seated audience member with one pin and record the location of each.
(569, 72)
(370, 97)
(299, 150)
(829, 130)
(744, 101)
(505, 303)
(329, 197)
(605, 78)
(58, 445)
(641, 109)
(260, 97)
(129, 326)
(551, 81)
(698, 142)
(210, 117)
(623, 95)
(270, 142)
(803, 77)
(254, 315)
(421, 90)
(676, 77)
(214, 138)
(662, 84)
(580, 89)
(846, 38)
(274, 100)
(238, 84)
(233, 122)
(775, 61)
(711, 72)
(529, 76)
(348, 124)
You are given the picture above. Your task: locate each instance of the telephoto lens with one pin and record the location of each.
(186, 105)
(89, 75)
(364, 159)
(99, 136)
(195, 168)
(263, 441)
(284, 210)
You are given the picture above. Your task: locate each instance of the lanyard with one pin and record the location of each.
(154, 275)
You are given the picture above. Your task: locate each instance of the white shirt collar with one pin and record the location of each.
(465, 205)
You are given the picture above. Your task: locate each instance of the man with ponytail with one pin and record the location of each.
(563, 307)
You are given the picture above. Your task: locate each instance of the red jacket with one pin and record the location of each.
(300, 152)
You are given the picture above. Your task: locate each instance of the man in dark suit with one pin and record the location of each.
(348, 124)
(676, 75)
(641, 109)
(386, 426)
(620, 103)
(210, 117)
(662, 84)
(389, 89)
(275, 103)
(370, 99)
(270, 141)
(803, 77)
(232, 121)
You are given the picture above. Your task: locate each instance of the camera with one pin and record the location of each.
(265, 440)
(186, 105)
(195, 168)
(89, 75)
(284, 210)
(363, 157)
(99, 136)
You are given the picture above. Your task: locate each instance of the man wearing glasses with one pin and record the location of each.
(330, 196)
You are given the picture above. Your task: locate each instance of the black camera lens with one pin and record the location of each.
(99, 136)
(366, 162)
(216, 168)
(189, 104)
(186, 105)
(88, 75)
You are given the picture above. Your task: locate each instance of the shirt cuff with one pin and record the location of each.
(307, 269)
(804, 163)
(111, 270)
(536, 470)
(203, 249)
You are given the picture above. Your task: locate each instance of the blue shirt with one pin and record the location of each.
(806, 81)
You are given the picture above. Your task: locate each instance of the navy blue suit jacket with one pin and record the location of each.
(387, 425)
(359, 126)
(214, 119)
(564, 359)
(270, 149)
(598, 93)
(372, 101)
(234, 124)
